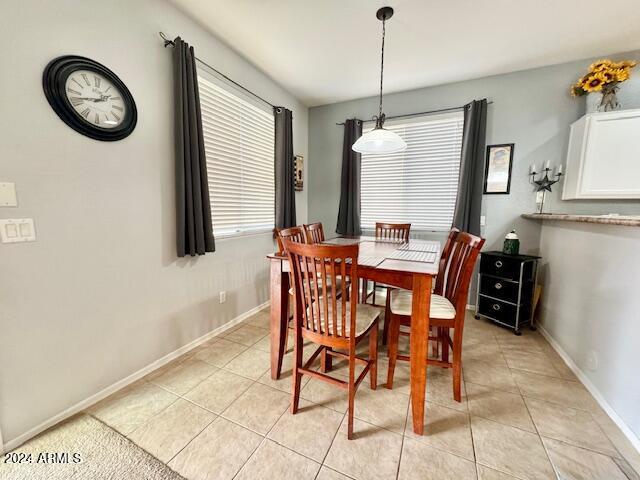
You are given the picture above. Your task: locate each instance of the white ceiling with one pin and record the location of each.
(325, 51)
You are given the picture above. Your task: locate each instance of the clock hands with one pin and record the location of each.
(101, 98)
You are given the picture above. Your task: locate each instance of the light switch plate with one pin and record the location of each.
(17, 230)
(8, 194)
(483, 220)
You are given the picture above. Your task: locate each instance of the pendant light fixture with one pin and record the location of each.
(380, 140)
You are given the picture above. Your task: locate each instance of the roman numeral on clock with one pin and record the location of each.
(97, 119)
(77, 82)
(76, 102)
(115, 116)
(96, 80)
(71, 90)
(86, 79)
(85, 113)
(120, 109)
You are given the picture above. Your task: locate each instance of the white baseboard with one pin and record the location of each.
(635, 441)
(86, 403)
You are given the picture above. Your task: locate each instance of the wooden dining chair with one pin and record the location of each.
(398, 232)
(336, 323)
(392, 232)
(299, 235)
(295, 234)
(314, 232)
(440, 279)
(447, 311)
(444, 261)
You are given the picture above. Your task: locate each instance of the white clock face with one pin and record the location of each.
(95, 98)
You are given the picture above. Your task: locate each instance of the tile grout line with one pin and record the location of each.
(322, 464)
(406, 420)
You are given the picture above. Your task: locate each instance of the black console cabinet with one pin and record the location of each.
(506, 284)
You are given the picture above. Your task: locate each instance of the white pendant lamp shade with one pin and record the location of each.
(379, 140)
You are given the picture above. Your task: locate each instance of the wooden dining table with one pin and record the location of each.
(409, 265)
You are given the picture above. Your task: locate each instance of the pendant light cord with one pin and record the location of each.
(380, 119)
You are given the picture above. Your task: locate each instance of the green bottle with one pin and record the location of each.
(511, 243)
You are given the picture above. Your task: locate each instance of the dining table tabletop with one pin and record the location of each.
(410, 265)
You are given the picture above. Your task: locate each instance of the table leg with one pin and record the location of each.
(279, 316)
(418, 347)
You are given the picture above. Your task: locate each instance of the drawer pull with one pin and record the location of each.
(496, 307)
(498, 264)
(498, 285)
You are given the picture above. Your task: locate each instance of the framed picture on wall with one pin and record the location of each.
(497, 170)
(298, 171)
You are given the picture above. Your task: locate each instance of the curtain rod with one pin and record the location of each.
(442, 110)
(171, 43)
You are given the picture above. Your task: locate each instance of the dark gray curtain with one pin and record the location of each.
(285, 180)
(193, 210)
(349, 211)
(469, 202)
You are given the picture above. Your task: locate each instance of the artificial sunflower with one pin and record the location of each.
(603, 76)
(594, 83)
(600, 65)
(622, 74)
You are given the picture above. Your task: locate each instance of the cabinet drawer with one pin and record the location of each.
(499, 288)
(504, 267)
(502, 311)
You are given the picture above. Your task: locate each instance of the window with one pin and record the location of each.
(239, 146)
(417, 186)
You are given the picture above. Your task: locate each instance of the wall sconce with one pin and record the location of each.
(543, 184)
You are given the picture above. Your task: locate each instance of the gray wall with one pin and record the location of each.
(101, 293)
(591, 307)
(531, 109)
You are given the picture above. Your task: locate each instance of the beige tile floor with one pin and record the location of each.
(215, 413)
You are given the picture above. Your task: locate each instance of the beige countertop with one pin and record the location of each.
(628, 220)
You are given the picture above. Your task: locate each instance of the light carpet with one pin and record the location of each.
(83, 448)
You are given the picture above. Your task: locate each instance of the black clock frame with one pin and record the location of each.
(54, 81)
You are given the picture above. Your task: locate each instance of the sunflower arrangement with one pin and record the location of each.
(603, 76)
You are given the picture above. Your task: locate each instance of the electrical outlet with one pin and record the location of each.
(223, 297)
(8, 194)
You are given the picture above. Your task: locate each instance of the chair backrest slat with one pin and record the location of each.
(393, 231)
(445, 257)
(314, 232)
(316, 271)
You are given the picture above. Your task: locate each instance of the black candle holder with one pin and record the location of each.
(544, 183)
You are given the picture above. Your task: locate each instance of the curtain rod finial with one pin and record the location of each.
(167, 42)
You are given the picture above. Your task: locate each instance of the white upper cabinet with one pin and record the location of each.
(603, 160)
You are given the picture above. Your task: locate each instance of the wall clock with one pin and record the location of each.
(89, 98)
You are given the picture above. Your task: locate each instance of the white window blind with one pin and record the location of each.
(417, 186)
(239, 146)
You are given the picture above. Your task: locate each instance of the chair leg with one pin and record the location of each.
(297, 377)
(286, 340)
(326, 360)
(373, 356)
(375, 286)
(457, 367)
(351, 392)
(445, 344)
(392, 347)
(387, 314)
